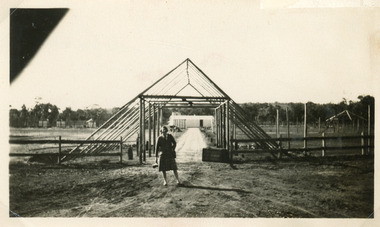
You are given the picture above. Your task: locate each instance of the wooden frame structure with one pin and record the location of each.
(185, 86)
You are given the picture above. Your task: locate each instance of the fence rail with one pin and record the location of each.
(364, 144)
(60, 142)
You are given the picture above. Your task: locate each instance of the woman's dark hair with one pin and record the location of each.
(164, 128)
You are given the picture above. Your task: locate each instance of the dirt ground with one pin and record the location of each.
(330, 187)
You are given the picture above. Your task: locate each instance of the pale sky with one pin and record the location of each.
(106, 53)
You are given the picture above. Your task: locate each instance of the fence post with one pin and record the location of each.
(323, 144)
(280, 145)
(369, 130)
(287, 123)
(59, 150)
(121, 149)
(277, 124)
(305, 131)
(362, 143)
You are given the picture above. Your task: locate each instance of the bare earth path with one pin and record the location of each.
(307, 188)
(190, 145)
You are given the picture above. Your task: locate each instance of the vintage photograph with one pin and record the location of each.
(194, 111)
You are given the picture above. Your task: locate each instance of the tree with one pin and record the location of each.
(24, 115)
(43, 112)
(14, 118)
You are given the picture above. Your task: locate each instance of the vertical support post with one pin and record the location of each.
(369, 130)
(141, 144)
(121, 150)
(362, 143)
(59, 149)
(287, 124)
(277, 124)
(150, 129)
(319, 125)
(219, 113)
(161, 123)
(234, 125)
(143, 131)
(217, 126)
(279, 142)
(158, 121)
(224, 126)
(220, 126)
(305, 130)
(138, 145)
(323, 144)
(228, 129)
(154, 129)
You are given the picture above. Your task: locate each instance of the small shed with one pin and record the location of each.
(90, 123)
(192, 121)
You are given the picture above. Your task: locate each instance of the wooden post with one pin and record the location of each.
(323, 144)
(59, 150)
(228, 125)
(158, 121)
(138, 145)
(319, 125)
(277, 124)
(279, 155)
(228, 129)
(149, 129)
(224, 126)
(220, 125)
(143, 131)
(362, 143)
(234, 125)
(154, 129)
(369, 130)
(141, 143)
(216, 126)
(305, 130)
(121, 150)
(287, 123)
(161, 123)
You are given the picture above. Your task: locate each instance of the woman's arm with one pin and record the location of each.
(174, 143)
(156, 147)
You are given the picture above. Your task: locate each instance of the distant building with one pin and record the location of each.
(61, 124)
(91, 123)
(44, 124)
(191, 121)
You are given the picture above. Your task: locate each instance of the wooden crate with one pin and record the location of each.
(215, 155)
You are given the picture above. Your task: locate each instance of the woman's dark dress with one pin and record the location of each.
(166, 153)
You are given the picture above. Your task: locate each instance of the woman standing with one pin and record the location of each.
(165, 151)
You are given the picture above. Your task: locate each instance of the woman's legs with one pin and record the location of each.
(176, 176)
(164, 175)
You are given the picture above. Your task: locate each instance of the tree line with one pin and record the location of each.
(266, 113)
(260, 113)
(50, 113)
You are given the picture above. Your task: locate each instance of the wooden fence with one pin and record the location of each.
(60, 142)
(364, 146)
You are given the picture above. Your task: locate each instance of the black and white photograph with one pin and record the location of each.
(189, 113)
